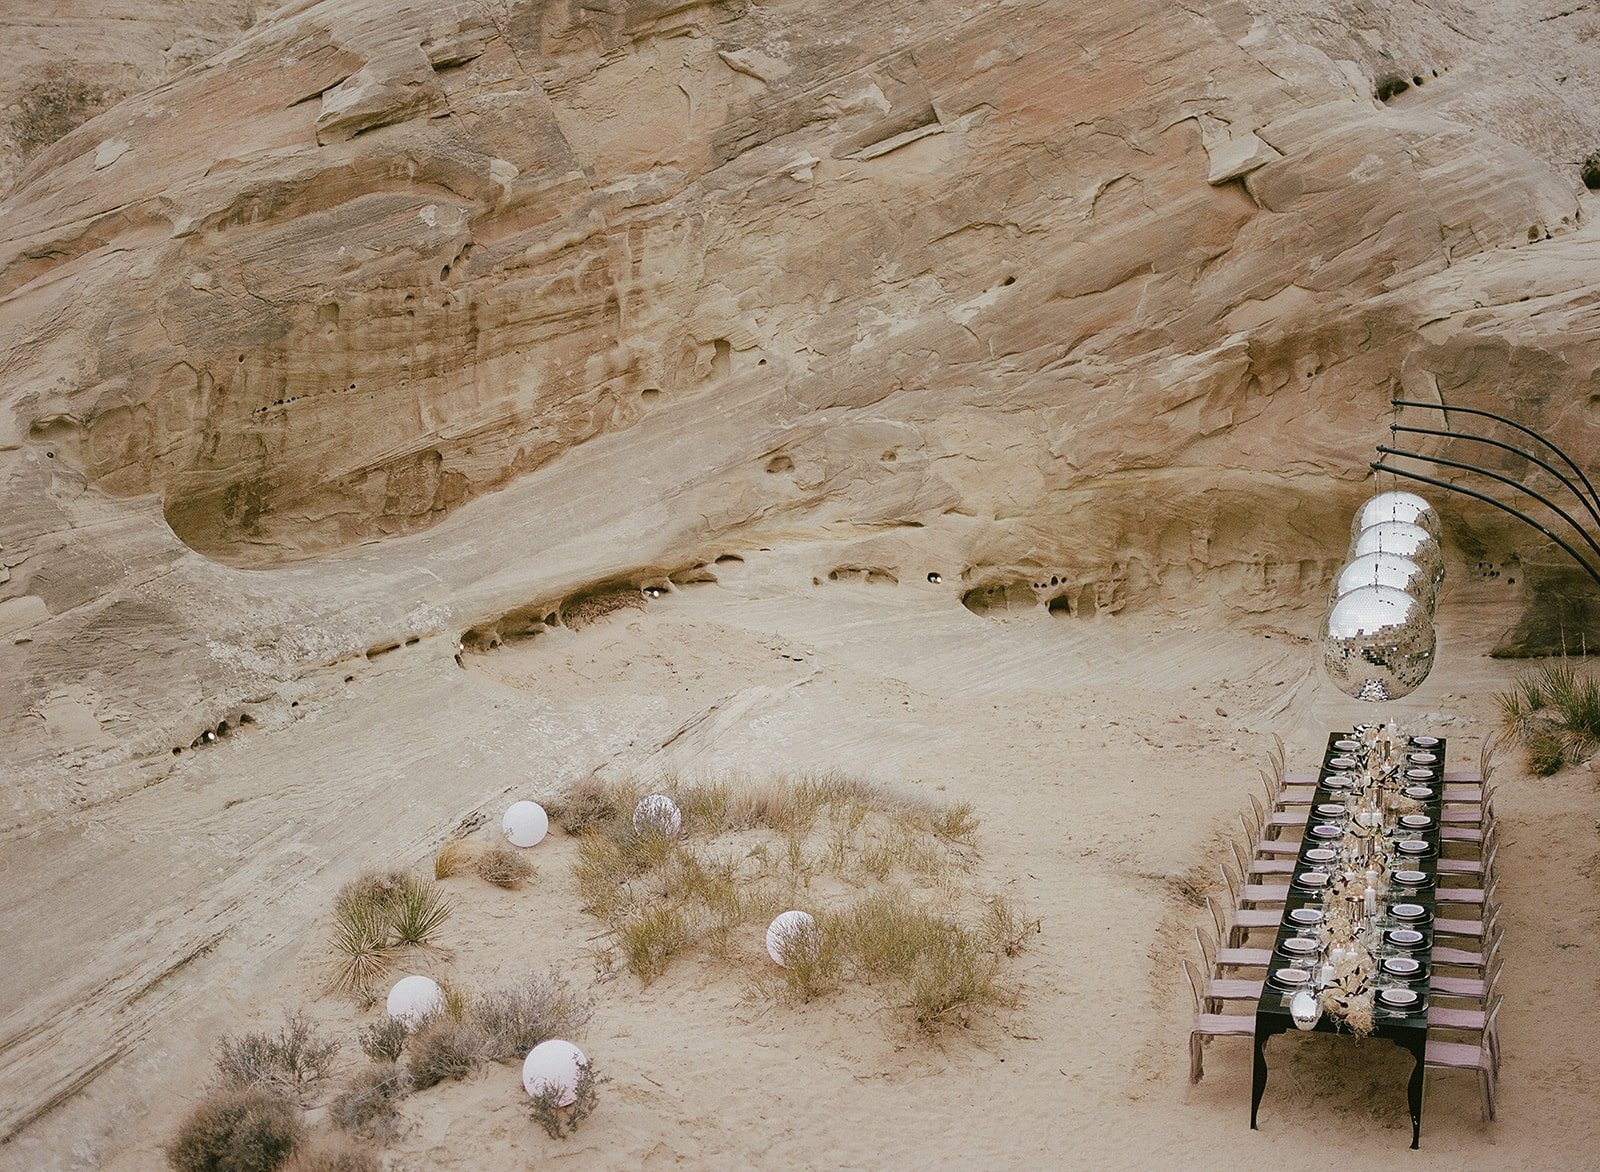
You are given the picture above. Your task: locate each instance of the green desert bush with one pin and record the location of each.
(517, 1019)
(368, 1106)
(1555, 712)
(443, 1049)
(237, 1130)
(291, 1062)
(651, 937)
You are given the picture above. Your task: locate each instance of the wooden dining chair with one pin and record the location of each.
(1211, 1025)
(1465, 1056)
(1470, 1021)
(1219, 958)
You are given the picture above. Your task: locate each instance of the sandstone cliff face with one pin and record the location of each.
(1089, 309)
(396, 321)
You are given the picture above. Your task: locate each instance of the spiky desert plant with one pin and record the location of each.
(363, 945)
(420, 912)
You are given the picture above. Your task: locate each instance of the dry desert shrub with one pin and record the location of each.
(517, 1019)
(560, 1122)
(503, 866)
(383, 1041)
(334, 1156)
(1555, 712)
(237, 1130)
(291, 1062)
(369, 1105)
(443, 1049)
(592, 803)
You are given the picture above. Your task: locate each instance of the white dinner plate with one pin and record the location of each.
(1402, 966)
(1417, 773)
(1321, 854)
(1306, 915)
(1408, 911)
(1415, 821)
(1301, 945)
(1311, 879)
(1331, 809)
(1424, 742)
(1414, 846)
(1422, 758)
(1336, 781)
(1419, 792)
(1410, 878)
(1405, 937)
(1291, 976)
(1398, 998)
(1347, 745)
(1341, 763)
(1325, 831)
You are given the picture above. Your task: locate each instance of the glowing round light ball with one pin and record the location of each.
(1386, 569)
(1412, 542)
(414, 998)
(525, 823)
(657, 814)
(1378, 643)
(1397, 506)
(553, 1066)
(790, 930)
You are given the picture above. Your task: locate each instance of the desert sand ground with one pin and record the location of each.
(1106, 759)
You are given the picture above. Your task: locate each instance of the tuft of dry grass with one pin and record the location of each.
(290, 1063)
(334, 1156)
(237, 1130)
(503, 866)
(650, 937)
(1555, 712)
(454, 857)
(593, 803)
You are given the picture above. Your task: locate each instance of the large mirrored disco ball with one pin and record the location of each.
(1397, 506)
(1385, 569)
(1378, 644)
(1412, 542)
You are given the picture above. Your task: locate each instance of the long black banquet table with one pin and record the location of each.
(1396, 931)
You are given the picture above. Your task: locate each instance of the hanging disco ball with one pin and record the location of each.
(1385, 569)
(1378, 643)
(1397, 506)
(1412, 542)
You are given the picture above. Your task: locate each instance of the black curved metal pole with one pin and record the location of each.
(1483, 439)
(1565, 459)
(1543, 500)
(1380, 466)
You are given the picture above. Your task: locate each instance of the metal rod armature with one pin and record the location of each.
(1379, 466)
(1565, 459)
(1516, 451)
(1542, 499)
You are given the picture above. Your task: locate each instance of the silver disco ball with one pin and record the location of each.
(1385, 569)
(1378, 644)
(1412, 542)
(1397, 506)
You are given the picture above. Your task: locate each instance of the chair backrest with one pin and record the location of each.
(1486, 757)
(1194, 986)
(1252, 829)
(1489, 956)
(1218, 917)
(1488, 861)
(1208, 950)
(1240, 856)
(1230, 879)
(1260, 810)
(1491, 973)
(1494, 1012)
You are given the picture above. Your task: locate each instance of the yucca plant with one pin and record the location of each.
(419, 912)
(364, 947)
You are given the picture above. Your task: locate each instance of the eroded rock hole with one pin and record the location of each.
(650, 394)
(1388, 85)
(780, 464)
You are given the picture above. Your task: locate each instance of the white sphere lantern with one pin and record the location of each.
(554, 1066)
(657, 814)
(525, 823)
(788, 930)
(1412, 542)
(1378, 644)
(414, 998)
(1397, 506)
